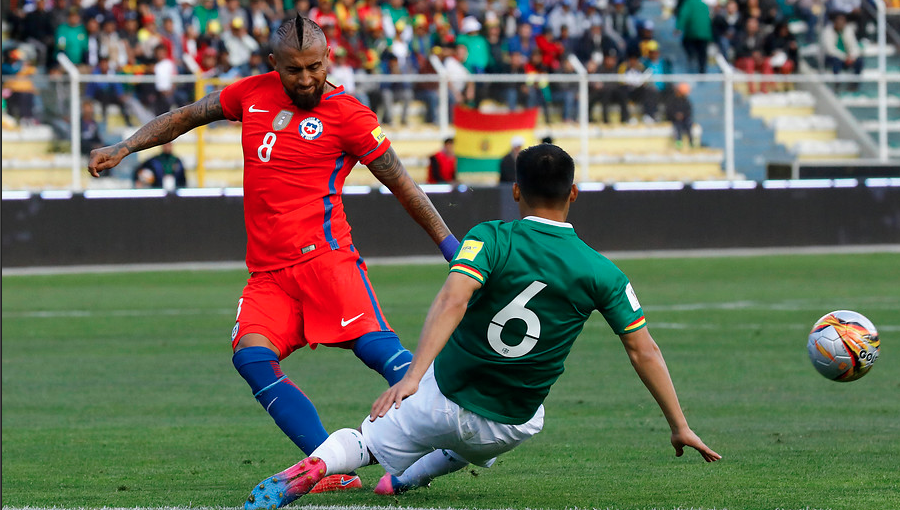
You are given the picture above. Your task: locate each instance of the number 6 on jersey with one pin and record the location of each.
(516, 310)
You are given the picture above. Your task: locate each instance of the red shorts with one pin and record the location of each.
(325, 300)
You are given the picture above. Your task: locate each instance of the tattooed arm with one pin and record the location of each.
(158, 131)
(390, 171)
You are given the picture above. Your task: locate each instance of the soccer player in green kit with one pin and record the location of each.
(494, 341)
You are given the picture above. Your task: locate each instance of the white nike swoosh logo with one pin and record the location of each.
(345, 322)
(401, 366)
(254, 110)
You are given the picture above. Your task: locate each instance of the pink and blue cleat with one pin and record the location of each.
(390, 485)
(280, 489)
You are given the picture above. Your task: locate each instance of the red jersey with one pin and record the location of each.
(295, 164)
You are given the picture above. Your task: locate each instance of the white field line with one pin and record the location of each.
(882, 328)
(352, 507)
(437, 259)
(776, 306)
(793, 305)
(308, 507)
(69, 314)
(363, 507)
(777, 325)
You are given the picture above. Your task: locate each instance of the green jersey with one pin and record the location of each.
(73, 41)
(540, 283)
(479, 52)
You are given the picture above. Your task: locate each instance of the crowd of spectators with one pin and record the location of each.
(231, 38)
(756, 37)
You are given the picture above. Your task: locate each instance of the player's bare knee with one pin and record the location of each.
(256, 340)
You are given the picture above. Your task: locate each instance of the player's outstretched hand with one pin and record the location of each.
(105, 158)
(689, 438)
(392, 397)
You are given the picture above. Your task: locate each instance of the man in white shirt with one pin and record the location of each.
(838, 41)
(461, 89)
(164, 72)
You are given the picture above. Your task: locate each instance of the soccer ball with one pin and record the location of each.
(843, 345)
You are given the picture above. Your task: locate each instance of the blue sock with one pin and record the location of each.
(381, 351)
(293, 412)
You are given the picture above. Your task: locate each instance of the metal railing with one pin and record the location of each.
(581, 77)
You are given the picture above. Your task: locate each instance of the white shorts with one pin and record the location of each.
(427, 421)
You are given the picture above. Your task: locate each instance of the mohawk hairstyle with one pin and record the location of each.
(298, 22)
(298, 32)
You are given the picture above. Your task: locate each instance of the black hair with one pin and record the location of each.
(299, 33)
(298, 23)
(545, 174)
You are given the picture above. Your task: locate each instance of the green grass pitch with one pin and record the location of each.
(118, 391)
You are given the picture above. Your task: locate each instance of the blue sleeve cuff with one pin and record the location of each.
(448, 247)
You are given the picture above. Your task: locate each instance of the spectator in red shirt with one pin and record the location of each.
(324, 15)
(551, 49)
(442, 165)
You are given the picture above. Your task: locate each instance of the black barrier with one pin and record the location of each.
(79, 230)
(852, 169)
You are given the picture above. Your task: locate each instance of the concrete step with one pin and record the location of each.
(816, 150)
(861, 101)
(791, 129)
(793, 103)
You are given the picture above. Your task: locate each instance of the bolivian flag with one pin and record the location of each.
(482, 139)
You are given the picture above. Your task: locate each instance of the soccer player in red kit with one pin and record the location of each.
(301, 136)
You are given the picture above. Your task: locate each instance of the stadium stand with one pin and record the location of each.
(797, 122)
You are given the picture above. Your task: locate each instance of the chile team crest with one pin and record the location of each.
(311, 128)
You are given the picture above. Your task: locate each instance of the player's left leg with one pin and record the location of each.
(465, 438)
(490, 440)
(382, 352)
(420, 474)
